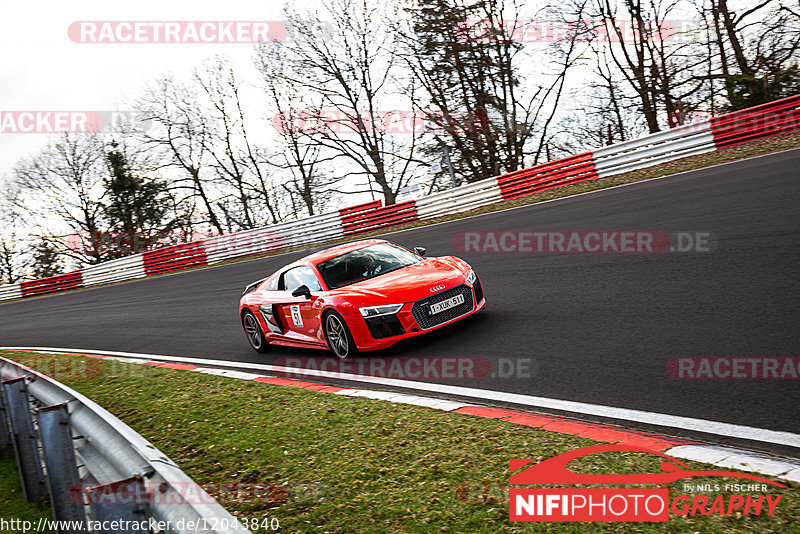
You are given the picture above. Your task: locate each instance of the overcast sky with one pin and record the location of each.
(42, 69)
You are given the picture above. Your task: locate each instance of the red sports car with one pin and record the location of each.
(360, 296)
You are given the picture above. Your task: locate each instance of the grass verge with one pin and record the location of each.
(12, 502)
(328, 463)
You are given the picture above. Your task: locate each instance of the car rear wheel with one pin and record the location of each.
(338, 335)
(255, 336)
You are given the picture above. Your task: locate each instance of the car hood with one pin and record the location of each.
(411, 283)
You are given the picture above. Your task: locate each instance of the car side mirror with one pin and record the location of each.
(302, 291)
(420, 251)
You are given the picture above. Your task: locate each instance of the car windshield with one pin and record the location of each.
(365, 263)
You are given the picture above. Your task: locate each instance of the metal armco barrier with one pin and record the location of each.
(374, 217)
(653, 149)
(720, 132)
(55, 435)
(557, 173)
(5, 432)
(97, 467)
(757, 122)
(129, 512)
(10, 292)
(174, 258)
(15, 396)
(114, 271)
(61, 282)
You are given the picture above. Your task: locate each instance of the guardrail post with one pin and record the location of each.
(62, 469)
(121, 504)
(24, 439)
(5, 434)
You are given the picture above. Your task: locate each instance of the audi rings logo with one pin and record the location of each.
(434, 289)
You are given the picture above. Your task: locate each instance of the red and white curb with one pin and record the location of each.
(678, 448)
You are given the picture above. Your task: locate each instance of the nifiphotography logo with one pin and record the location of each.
(625, 504)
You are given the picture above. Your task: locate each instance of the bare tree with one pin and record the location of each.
(601, 112)
(180, 131)
(469, 60)
(181, 212)
(300, 160)
(601, 115)
(350, 71)
(218, 81)
(10, 269)
(662, 69)
(60, 191)
(567, 54)
(613, 106)
(240, 164)
(13, 247)
(757, 50)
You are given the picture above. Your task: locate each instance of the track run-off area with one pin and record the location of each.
(637, 332)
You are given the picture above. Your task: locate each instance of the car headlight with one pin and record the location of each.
(375, 311)
(471, 277)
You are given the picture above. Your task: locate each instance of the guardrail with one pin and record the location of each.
(756, 122)
(93, 467)
(372, 216)
(557, 173)
(61, 282)
(719, 132)
(653, 149)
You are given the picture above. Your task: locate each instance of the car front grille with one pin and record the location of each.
(420, 307)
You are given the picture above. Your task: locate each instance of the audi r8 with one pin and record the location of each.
(360, 296)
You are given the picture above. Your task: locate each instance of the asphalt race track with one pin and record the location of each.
(598, 328)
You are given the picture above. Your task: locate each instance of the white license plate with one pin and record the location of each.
(445, 304)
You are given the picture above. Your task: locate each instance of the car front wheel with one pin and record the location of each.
(255, 336)
(338, 335)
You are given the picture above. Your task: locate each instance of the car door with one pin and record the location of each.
(299, 315)
(269, 309)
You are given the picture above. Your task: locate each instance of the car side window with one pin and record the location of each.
(272, 285)
(300, 276)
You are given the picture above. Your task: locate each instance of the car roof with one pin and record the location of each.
(338, 250)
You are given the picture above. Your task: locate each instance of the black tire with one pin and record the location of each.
(255, 336)
(338, 336)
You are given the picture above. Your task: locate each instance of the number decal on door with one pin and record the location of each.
(297, 319)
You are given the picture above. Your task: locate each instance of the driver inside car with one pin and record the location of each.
(362, 267)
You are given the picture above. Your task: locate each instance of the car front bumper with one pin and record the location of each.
(409, 318)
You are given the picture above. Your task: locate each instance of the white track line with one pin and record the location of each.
(623, 414)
